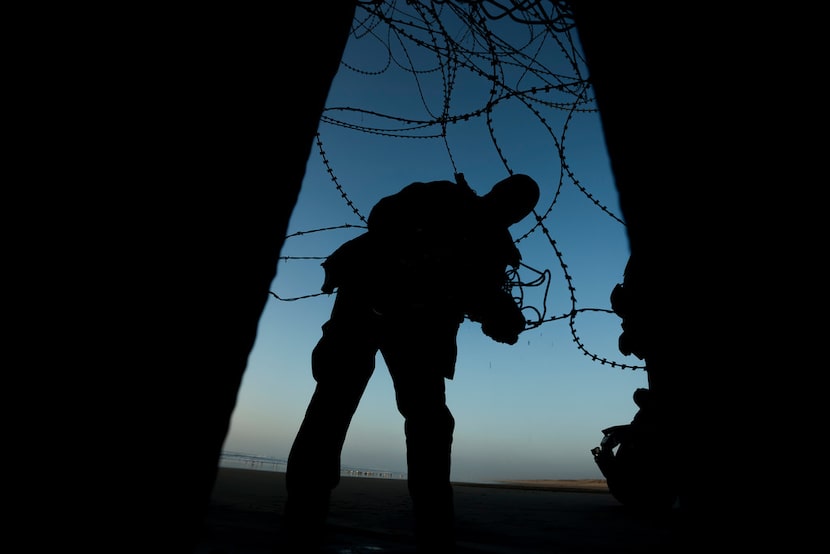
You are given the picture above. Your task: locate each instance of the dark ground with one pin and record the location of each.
(373, 515)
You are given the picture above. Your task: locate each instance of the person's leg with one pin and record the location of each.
(342, 365)
(419, 364)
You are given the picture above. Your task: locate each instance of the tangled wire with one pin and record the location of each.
(519, 52)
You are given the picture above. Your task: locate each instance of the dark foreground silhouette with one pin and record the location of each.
(195, 126)
(702, 330)
(181, 137)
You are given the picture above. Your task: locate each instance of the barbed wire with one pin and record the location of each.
(441, 38)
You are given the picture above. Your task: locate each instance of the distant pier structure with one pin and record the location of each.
(371, 473)
(242, 460)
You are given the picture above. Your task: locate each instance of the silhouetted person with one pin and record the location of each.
(434, 253)
(632, 458)
(708, 293)
(642, 474)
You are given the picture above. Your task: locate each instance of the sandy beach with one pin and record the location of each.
(373, 515)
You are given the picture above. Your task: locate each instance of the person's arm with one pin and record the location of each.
(348, 263)
(488, 302)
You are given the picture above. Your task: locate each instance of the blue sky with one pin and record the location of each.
(532, 410)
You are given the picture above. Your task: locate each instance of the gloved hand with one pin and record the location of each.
(500, 334)
(503, 320)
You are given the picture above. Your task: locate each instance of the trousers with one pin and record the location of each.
(419, 348)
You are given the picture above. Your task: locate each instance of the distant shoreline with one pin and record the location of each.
(559, 485)
(252, 462)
